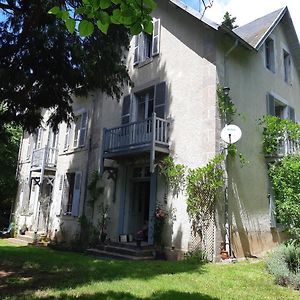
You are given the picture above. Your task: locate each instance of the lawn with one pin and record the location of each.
(39, 273)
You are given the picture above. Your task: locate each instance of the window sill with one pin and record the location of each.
(72, 151)
(144, 63)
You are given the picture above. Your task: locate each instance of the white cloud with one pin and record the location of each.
(249, 10)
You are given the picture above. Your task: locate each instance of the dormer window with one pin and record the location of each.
(270, 54)
(146, 45)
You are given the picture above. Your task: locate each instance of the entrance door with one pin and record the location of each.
(139, 207)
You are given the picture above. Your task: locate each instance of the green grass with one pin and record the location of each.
(34, 273)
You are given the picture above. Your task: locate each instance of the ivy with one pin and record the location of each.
(227, 108)
(285, 177)
(93, 188)
(174, 173)
(275, 131)
(203, 187)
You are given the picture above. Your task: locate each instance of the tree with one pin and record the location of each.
(42, 64)
(9, 148)
(132, 14)
(229, 21)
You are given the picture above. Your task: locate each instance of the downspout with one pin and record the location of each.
(88, 158)
(227, 236)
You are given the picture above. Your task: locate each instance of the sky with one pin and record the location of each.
(248, 10)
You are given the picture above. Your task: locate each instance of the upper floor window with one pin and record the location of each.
(147, 46)
(277, 108)
(270, 54)
(141, 105)
(287, 66)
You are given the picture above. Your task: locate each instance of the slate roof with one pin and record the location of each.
(255, 32)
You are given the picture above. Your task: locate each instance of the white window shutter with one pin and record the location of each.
(83, 129)
(76, 195)
(156, 37)
(39, 138)
(77, 126)
(67, 138)
(59, 193)
(136, 50)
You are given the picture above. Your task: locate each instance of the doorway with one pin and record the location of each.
(139, 208)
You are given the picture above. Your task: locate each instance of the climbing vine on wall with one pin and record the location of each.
(203, 187)
(226, 107)
(174, 173)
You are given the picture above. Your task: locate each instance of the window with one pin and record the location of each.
(287, 66)
(270, 54)
(142, 104)
(80, 129)
(39, 139)
(71, 193)
(67, 137)
(277, 108)
(147, 46)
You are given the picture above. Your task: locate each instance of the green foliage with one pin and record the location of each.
(284, 264)
(174, 173)
(133, 15)
(275, 131)
(196, 256)
(229, 21)
(53, 65)
(227, 108)
(160, 218)
(93, 187)
(285, 178)
(203, 187)
(10, 136)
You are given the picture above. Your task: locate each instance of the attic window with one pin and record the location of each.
(270, 54)
(287, 66)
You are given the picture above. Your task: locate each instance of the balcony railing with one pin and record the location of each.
(288, 147)
(46, 157)
(150, 132)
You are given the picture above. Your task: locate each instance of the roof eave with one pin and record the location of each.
(271, 28)
(244, 43)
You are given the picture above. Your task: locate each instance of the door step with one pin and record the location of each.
(123, 251)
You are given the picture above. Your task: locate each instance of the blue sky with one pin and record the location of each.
(196, 3)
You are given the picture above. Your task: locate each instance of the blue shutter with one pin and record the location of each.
(270, 105)
(160, 100)
(76, 195)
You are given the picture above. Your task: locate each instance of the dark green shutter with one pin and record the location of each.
(270, 105)
(126, 110)
(160, 100)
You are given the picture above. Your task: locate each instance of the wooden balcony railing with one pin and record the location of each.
(152, 131)
(44, 157)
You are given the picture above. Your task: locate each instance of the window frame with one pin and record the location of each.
(81, 133)
(272, 68)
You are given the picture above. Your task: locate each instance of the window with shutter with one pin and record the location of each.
(83, 129)
(145, 45)
(80, 130)
(160, 100)
(270, 54)
(155, 37)
(76, 195)
(126, 109)
(59, 193)
(67, 138)
(39, 138)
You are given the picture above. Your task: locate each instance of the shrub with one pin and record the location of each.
(196, 256)
(284, 264)
(285, 177)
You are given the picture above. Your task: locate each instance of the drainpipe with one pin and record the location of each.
(227, 235)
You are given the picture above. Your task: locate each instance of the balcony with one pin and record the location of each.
(287, 147)
(150, 135)
(44, 158)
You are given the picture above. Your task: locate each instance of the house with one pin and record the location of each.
(171, 110)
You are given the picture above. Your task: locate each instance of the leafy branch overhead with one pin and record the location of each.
(85, 15)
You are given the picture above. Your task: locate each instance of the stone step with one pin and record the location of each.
(113, 255)
(128, 251)
(25, 238)
(17, 241)
(132, 245)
